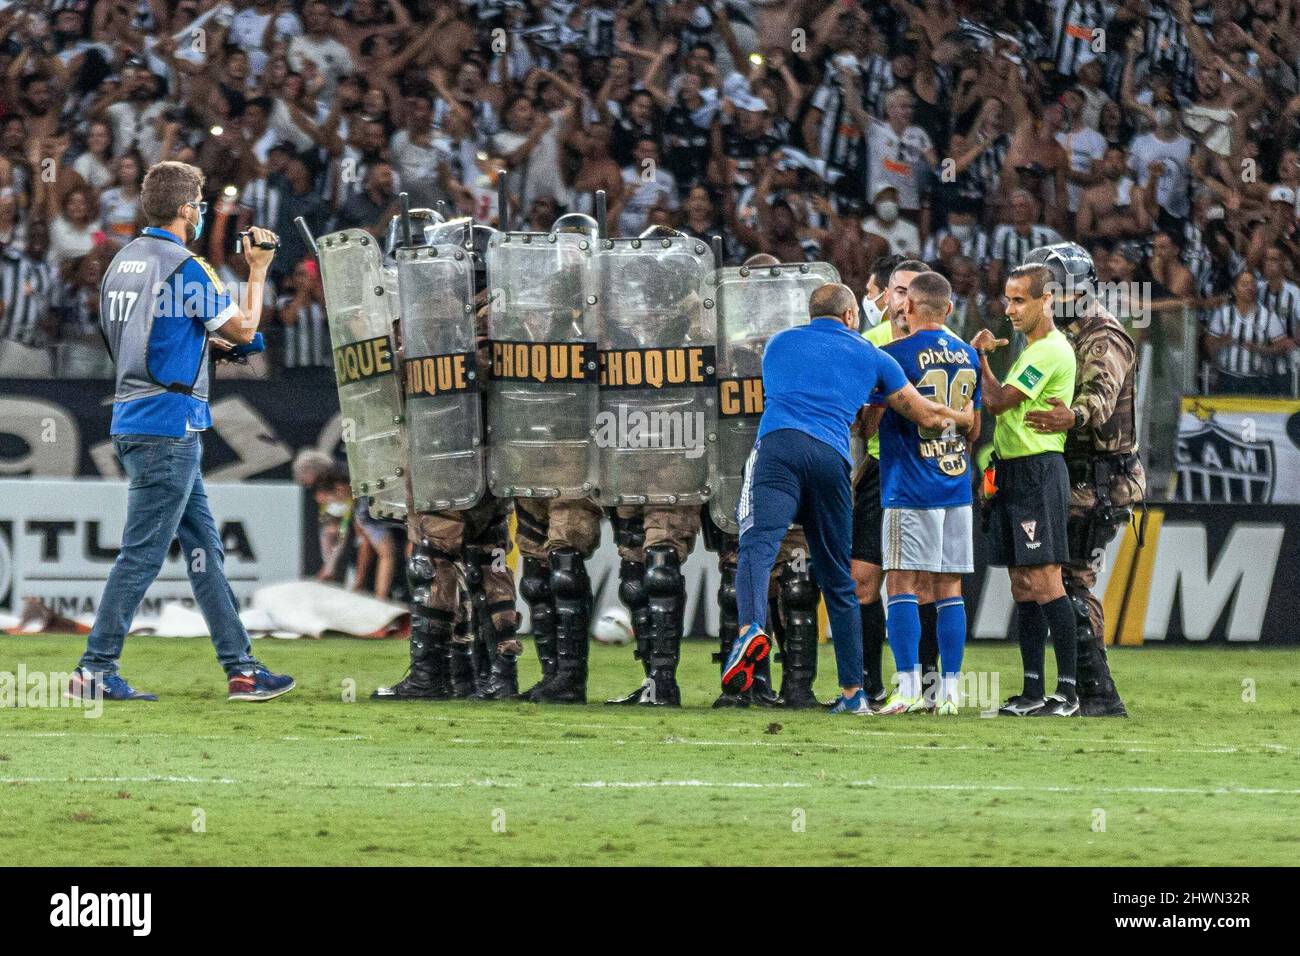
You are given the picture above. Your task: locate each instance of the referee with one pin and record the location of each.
(799, 473)
(158, 306)
(1030, 490)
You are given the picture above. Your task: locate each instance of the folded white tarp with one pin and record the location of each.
(295, 609)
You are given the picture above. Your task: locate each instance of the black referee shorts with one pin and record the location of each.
(1027, 518)
(868, 515)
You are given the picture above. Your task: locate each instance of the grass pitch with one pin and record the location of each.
(1198, 775)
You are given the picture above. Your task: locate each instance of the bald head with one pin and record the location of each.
(835, 301)
(761, 260)
(929, 300)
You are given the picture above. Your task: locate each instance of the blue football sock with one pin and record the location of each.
(903, 627)
(952, 634)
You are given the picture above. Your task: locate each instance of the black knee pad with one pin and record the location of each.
(535, 582)
(628, 532)
(799, 594)
(569, 581)
(631, 585)
(1082, 613)
(419, 566)
(475, 558)
(663, 572)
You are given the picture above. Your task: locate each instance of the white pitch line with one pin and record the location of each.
(999, 788)
(686, 784)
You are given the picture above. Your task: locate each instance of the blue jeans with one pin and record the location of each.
(166, 500)
(794, 478)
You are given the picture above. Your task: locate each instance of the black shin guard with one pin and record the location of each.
(498, 679)
(1098, 695)
(728, 631)
(571, 589)
(535, 587)
(632, 592)
(665, 589)
(798, 605)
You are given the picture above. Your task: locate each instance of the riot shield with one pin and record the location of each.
(752, 305)
(658, 374)
(440, 377)
(541, 393)
(361, 303)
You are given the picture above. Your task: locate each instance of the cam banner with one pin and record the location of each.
(1238, 449)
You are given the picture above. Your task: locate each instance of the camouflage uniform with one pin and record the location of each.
(653, 542)
(458, 555)
(556, 538)
(1107, 481)
(792, 600)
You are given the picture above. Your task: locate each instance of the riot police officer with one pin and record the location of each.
(1101, 452)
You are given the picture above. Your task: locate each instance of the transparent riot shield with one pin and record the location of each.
(440, 377)
(753, 305)
(542, 388)
(658, 375)
(361, 305)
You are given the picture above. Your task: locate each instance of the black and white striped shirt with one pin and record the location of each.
(262, 199)
(26, 294)
(1285, 303)
(305, 340)
(980, 179)
(839, 140)
(1166, 45)
(1072, 23)
(974, 246)
(1259, 326)
(1010, 247)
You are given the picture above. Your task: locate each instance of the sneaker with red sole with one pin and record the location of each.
(747, 651)
(259, 684)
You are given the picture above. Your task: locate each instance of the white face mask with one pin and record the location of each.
(337, 509)
(961, 231)
(872, 313)
(887, 211)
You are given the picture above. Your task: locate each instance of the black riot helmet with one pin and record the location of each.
(1071, 266)
(424, 223)
(576, 222)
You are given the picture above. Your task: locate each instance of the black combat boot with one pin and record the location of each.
(572, 592)
(535, 586)
(798, 634)
(502, 680)
(1098, 695)
(427, 678)
(631, 591)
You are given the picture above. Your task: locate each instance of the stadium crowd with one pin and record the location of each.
(1164, 136)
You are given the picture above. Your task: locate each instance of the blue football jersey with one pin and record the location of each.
(926, 467)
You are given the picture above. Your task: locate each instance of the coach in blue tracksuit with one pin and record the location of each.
(815, 380)
(160, 306)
